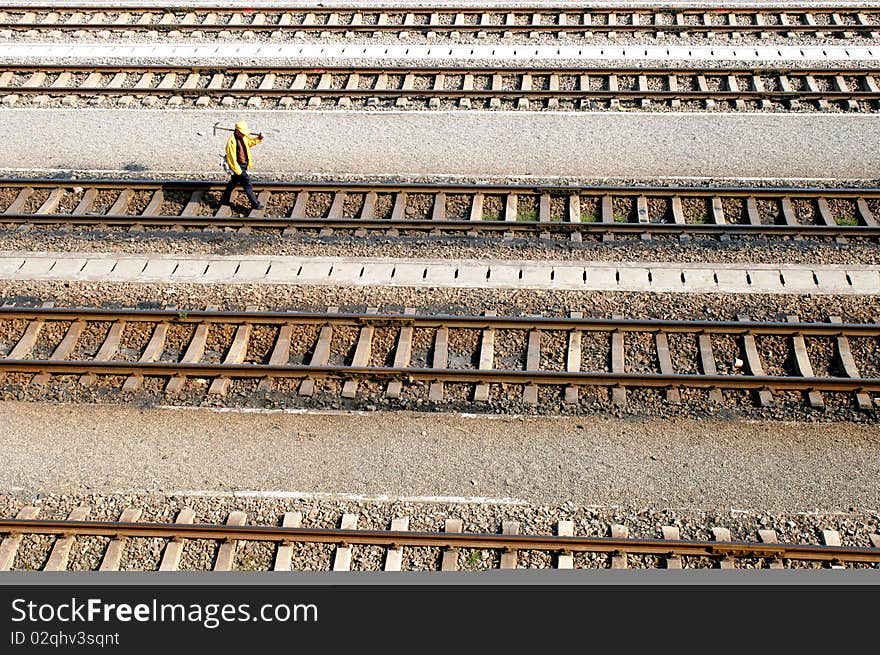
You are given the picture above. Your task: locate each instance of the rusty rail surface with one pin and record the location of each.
(524, 210)
(589, 324)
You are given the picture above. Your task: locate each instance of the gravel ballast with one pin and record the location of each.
(857, 309)
(746, 250)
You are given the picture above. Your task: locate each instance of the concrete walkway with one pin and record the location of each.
(494, 144)
(377, 271)
(588, 460)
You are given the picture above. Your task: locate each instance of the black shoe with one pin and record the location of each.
(225, 203)
(259, 205)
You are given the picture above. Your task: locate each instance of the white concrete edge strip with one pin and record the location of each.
(170, 53)
(326, 496)
(312, 411)
(647, 277)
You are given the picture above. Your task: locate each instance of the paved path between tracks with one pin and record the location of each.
(691, 463)
(490, 144)
(479, 274)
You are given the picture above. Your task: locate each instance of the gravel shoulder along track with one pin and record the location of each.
(233, 242)
(858, 309)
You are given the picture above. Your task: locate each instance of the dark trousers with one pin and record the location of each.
(242, 180)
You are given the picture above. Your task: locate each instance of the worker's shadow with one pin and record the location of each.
(235, 208)
(242, 210)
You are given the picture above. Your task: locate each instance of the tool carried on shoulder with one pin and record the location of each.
(231, 129)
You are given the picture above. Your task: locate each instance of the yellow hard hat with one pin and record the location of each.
(241, 127)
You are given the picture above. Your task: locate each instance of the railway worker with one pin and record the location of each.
(238, 157)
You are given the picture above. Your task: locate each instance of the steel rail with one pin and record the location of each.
(429, 70)
(397, 539)
(385, 187)
(543, 377)
(444, 93)
(764, 328)
(463, 225)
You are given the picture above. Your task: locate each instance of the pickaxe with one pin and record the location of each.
(229, 129)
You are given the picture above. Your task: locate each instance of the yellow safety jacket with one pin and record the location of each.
(232, 151)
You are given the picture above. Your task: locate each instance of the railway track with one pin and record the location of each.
(562, 550)
(600, 212)
(740, 89)
(300, 21)
(410, 355)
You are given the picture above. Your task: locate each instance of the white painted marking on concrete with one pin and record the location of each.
(344, 412)
(356, 412)
(369, 498)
